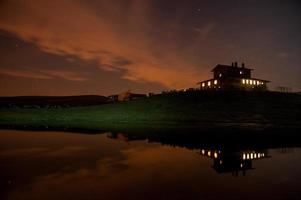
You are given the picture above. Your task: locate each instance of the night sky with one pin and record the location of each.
(74, 47)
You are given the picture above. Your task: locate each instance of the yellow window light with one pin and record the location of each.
(209, 83)
(243, 81)
(257, 82)
(247, 81)
(215, 82)
(215, 155)
(203, 84)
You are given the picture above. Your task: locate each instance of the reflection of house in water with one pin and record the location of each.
(225, 160)
(234, 161)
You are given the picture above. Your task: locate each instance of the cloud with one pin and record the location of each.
(24, 73)
(282, 55)
(205, 30)
(44, 74)
(64, 74)
(119, 36)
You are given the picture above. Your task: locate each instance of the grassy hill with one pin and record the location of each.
(205, 110)
(51, 101)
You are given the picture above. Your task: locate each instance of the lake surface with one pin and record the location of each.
(63, 165)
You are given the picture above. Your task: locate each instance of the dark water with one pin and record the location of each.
(61, 165)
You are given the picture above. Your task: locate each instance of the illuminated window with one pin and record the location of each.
(203, 151)
(247, 81)
(255, 155)
(251, 82)
(220, 162)
(241, 165)
(240, 72)
(215, 82)
(203, 84)
(257, 82)
(244, 156)
(251, 156)
(209, 153)
(209, 83)
(220, 75)
(215, 155)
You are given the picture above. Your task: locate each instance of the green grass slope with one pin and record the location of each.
(200, 109)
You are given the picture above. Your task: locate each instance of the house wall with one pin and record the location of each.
(237, 72)
(231, 83)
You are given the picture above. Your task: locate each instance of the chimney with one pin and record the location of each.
(235, 64)
(243, 65)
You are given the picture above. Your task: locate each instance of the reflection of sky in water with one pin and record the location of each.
(53, 165)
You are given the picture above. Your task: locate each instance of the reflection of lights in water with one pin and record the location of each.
(253, 155)
(215, 155)
(209, 153)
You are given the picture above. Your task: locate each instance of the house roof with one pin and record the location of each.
(219, 66)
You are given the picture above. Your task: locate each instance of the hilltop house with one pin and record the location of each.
(226, 77)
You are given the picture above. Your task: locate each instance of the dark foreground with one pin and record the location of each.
(207, 111)
(149, 165)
